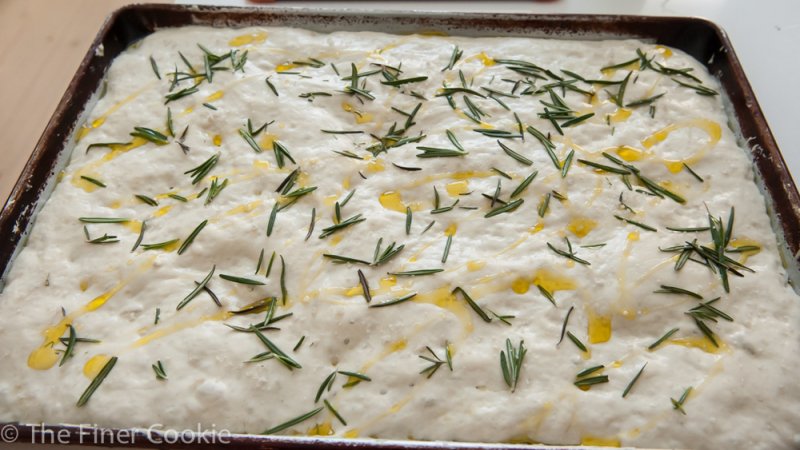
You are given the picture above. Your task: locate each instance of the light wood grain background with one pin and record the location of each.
(41, 44)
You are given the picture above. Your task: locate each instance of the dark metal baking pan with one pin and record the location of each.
(700, 38)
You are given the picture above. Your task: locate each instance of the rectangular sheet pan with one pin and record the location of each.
(699, 38)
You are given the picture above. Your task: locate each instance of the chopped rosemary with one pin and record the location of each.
(154, 66)
(146, 199)
(635, 223)
(475, 307)
(94, 181)
(507, 208)
(341, 225)
(241, 280)
(666, 289)
(282, 357)
(70, 345)
(103, 220)
(393, 301)
(633, 381)
(662, 339)
(334, 411)
(583, 382)
(416, 273)
(678, 404)
(186, 243)
(284, 292)
(159, 245)
(292, 422)
(447, 248)
(577, 342)
(362, 280)
(524, 185)
(149, 135)
(564, 324)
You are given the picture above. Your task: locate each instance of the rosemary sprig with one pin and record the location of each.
(506, 208)
(511, 363)
(341, 225)
(569, 253)
(435, 152)
(215, 189)
(635, 223)
(454, 57)
(150, 135)
(159, 370)
(199, 172)
(196, 290)
(282, 357)
(281, 152)
(437, 362)
(97, 381)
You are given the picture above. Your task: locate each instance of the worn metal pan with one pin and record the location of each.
(699, 38)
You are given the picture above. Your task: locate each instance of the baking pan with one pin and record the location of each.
(701, 39)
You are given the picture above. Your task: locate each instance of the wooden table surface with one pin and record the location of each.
(41, 44)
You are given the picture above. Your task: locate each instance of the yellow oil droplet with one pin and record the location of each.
(629, 67)
(745, 242)
(215, 96)
(520, 285)
(261, 164)
(444, 298)
(351, 434)
(616, 364)
(398, 345)
(629, 153)
(187, 110)
(330, 200)
(451, 230)
(133, 225)
(82, 133)
(43, 358)
(250, 38)
(456, 188)
(666, 52)
(438, 33)
(84, 285)
(321, 429)
(599, 328)
(701, 343)
(674, 166)
(115, 204)
(355, 290)
(485, 59)
(375, 166)
(621, 115)
(537, 228)
(473, 266)
(285, 67)
(388, 282)
(393, 201)
(361, 117)
(581, 226)
(60, 176)
(172, 247)
(217, 140)
(94, 365)
(162, 211)
(346, 183)
(243, 209)
(101, 300)
(98, 122)
(166, 331)
(553, 281)
(335, 240)
(267, 140)
(711, 128)
(600, 441)
(633, 236)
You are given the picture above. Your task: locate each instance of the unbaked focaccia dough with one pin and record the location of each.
(425, 146)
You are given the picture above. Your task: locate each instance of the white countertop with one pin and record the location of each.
(765, 35)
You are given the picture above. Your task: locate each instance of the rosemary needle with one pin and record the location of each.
(97, 381)
(192, 236)
(292, 422)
